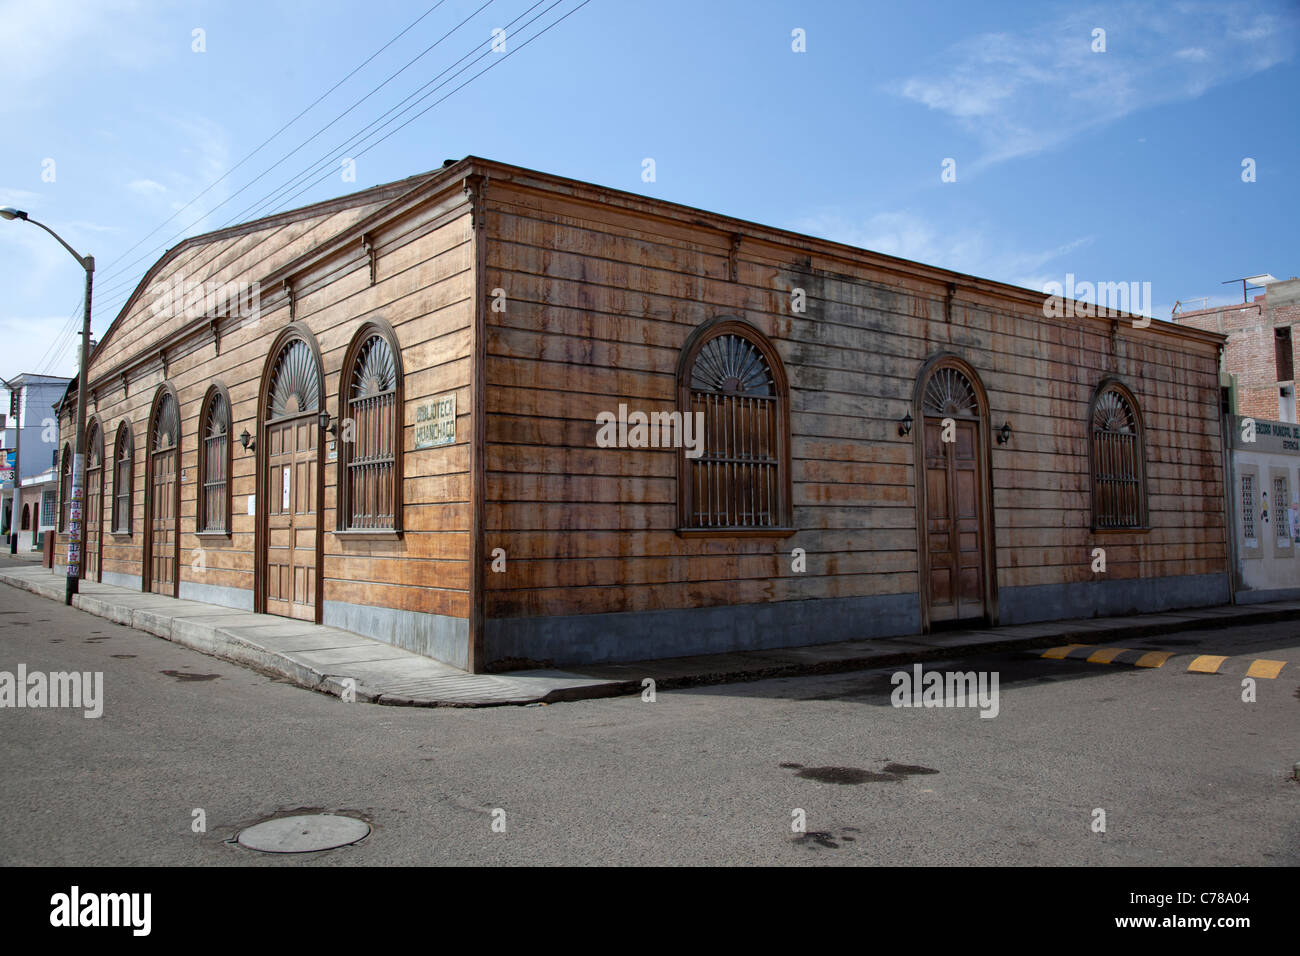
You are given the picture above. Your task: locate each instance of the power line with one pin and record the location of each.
(275, 134)
(502, 58)
(373, 91)
(253, 211)
(276, 192)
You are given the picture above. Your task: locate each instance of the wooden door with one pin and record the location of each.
(93, 518)
(291, 518)
(954, 525)
(162, 522)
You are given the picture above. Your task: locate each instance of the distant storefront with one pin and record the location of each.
(1265, 504)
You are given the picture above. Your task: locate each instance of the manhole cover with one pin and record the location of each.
(303, 834)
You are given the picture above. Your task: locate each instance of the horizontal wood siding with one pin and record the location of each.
(598, 304)
(424, 290)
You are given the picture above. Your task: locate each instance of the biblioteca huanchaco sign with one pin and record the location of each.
(435, 422)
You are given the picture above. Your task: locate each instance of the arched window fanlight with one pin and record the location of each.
(295, 381)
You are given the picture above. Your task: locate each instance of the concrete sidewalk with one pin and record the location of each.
(323, 658)
(312, 656)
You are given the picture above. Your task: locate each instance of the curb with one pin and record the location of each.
(215, 641)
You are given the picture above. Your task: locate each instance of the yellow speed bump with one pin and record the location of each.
(1265, 668)
(1059, 653)
(1206, 664)
(1153, 659)
(1106, 655)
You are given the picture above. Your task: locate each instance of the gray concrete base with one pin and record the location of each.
(444, 639)
(240, 598)
(650, 635)
(1266, 595)
(1051, 602)
(129, 581)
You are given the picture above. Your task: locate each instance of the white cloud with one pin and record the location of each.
(909, 236)
(146, 187)
(1025, 92)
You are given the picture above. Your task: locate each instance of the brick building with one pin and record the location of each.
(1258, 366)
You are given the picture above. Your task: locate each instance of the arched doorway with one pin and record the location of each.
(162, 490)
(289, 478)
(92, 522)
(958, 576)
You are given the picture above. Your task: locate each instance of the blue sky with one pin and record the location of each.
(1122, 165)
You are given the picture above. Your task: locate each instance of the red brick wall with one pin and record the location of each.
(1250, 352)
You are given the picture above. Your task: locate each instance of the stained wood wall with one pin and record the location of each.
(600, 300)
(423, 287)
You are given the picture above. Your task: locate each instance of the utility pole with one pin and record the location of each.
(16, 412)
(79, 455)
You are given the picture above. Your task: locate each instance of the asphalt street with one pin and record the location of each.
(1185, 771)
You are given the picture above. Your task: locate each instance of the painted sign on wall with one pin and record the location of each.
(435, 422)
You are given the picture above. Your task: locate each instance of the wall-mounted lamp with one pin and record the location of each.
(247, 440)
(323, 419)
(1004, 433)
(905, 426)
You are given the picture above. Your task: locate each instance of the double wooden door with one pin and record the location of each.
(92, 520)
(291, 517)
(955, 525)
(163, 521)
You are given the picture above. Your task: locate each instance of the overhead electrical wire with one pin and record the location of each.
(275, 194)
(167, 242)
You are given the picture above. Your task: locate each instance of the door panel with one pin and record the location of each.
(92, 517)
(292, 519)
(954, 530)
(162, 523)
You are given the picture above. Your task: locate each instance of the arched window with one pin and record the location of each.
(214, 462)
(65, 488)
(731, 379)
(370, 436)
(123, 476)
(27, 518)
(1118, 463)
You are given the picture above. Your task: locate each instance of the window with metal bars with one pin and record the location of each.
(123, 460)
(1118, 479)
(1281, 500)
(1248, 508)
(214, 463)
(740, 480)
(370, 436)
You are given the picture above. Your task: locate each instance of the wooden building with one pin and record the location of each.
(392, 413)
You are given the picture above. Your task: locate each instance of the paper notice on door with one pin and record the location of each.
(284, 505)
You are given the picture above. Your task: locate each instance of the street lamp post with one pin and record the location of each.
(79, 455)
(16, 407)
